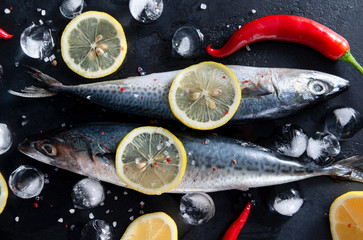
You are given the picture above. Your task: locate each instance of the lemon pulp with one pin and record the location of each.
(3, 193)
(150, 160)
(93, 44)
(152, 226)
(346, 216)
(205, 96)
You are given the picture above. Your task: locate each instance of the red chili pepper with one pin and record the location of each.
(235, 228)
(4, 34)
(292, 29)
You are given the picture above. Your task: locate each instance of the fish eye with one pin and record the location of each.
(49, 149)
(317, 87)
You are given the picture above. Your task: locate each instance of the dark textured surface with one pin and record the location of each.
(149, 46)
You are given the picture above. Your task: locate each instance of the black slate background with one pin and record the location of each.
(149, 46)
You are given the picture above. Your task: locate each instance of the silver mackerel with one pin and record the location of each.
(267, 93)
(215, 163)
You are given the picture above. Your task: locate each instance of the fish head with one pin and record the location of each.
(306, 86)
(53, 151)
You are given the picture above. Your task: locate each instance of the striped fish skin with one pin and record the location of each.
(267, 93)
(215, 163)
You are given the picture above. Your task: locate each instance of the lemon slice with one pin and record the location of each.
(93, 44)
(151, 160)
(152, 226)
(205, 96)
(3, 193)
(346, 216)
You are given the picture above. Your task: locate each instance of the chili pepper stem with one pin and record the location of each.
(348, 57)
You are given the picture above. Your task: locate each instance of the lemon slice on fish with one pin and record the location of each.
(3, 193)
(151, 160)
(346, 216)
(158, 226)
(93, 44)
(205, 96)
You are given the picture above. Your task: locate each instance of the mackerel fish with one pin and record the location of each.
(221, 164)
(267, 93)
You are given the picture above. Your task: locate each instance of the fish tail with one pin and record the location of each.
(47, 88)
(349, 169)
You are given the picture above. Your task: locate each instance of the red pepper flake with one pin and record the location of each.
(152, 122)
(272, 153)
(11, 8)
(234, 161)
(106, 148)
(36, 74)
(66, 225)
(224, 76)
(155, 80)
(141, 206)
(126, 169)
(51, 205)
(161, 141)
(245, 81)
(35, 205)
(112, 137)
(225, 112)
(262, 76)
(203, 142)
(41, 131)
(168, 160)
(102, 133)
(122, 48)
(213, 169)
(214, 134)
(122, 89)
(349, 225)
(141, 97)
(219, 167)
(155, 163)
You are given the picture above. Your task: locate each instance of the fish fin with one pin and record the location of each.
(255, 90)
(32, 92)
(350, 168)
(47, 88)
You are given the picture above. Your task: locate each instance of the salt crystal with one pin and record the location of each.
(39, 9)
(115, 198)
(107, 211)
(91, 216)
(43, 12)
(253, 11)
(60, 220)
(41, 22)
(203, 6)
(7, 11)
(125, 193)
(72, 211)
(108, 192)
(114, 224)
(130, 210)
(63, 125)
(17, 219)
(248, 48)
(132, 218)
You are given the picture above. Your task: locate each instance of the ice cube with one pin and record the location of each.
(291, 141)
(26, 181)
(197, 208)
(187, 41)
(288, 203)
(5, 138)
(37, 41)
(71, 8)
(97, 230)
(87, 193)
(343, 122)
(322, 146)
(146, 11)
